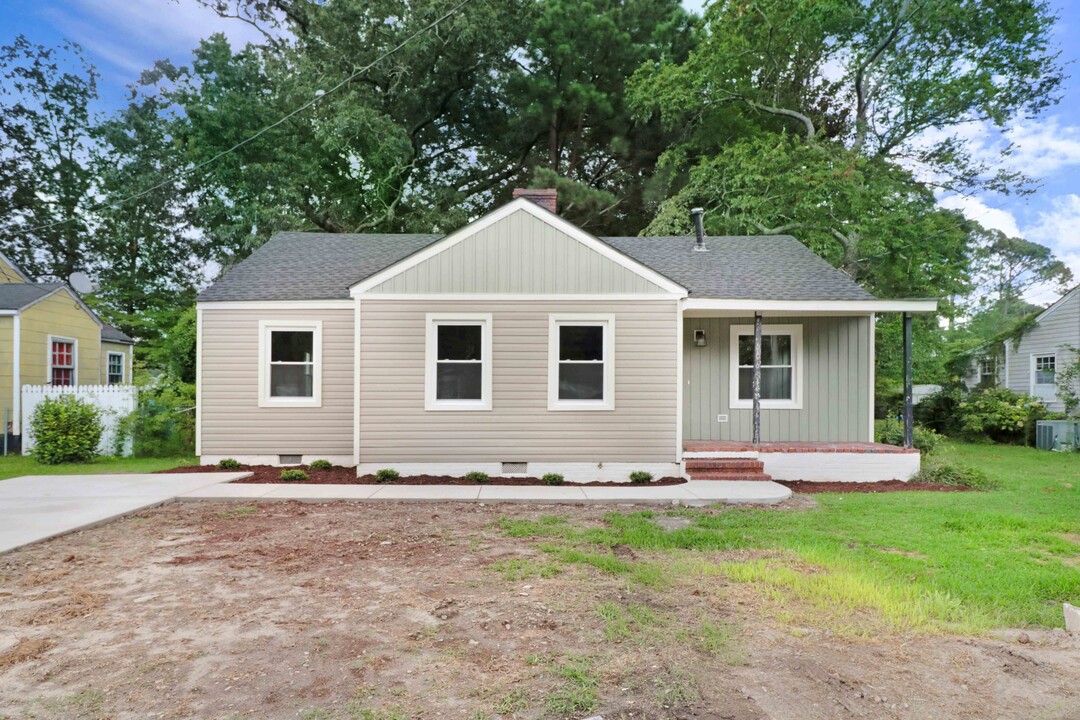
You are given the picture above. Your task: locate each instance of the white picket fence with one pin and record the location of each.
(114, 401)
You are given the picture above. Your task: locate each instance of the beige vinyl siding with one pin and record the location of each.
(232, 421)
(395, 428)
(836, 383)
(1053, 335)
(519, 254)
(7, 345)
(110, 347)
(62, 316)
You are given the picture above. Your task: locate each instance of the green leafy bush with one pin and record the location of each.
(553, 479)
(940, 412)
(1000, 414)
(163, 424)
(294, 475)
(386, 475)
(640, 477)
(943, 472)
(66, 429)
(891, 432)
(320, 465)
(477, 477)
(229, 464)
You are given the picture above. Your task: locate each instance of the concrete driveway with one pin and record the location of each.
(38, 507)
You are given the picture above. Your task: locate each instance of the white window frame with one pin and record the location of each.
(123, 370)
(1044, 388)
(607, 322)
(266, 327)
(432, 322)
(74, 359)
(985, 362)
(797, 367)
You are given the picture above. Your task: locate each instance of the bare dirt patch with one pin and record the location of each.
(338, 475)
(345, 610)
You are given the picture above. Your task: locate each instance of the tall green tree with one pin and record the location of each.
(1007, 267)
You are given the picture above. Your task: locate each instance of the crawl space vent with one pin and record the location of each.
(515, 468)
(289, 459)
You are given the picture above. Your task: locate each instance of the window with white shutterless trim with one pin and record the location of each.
(290, 363)
(63, 360)
(114, 368)
(581, 362)
(781, 366)
(1044, 371)
(457, 363)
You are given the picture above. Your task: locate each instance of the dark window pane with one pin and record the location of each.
(291, 345)
(458, 381)
(581, 382)
(775, 349)
(581, 342)
(291, 381)
(459, 342)
(775, 384)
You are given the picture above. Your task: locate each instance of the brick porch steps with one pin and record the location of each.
(726, 469)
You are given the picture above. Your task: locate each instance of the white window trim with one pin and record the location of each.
(1032, 380)
(123, 370)
(431, 347)
(608, 323)
(265, 328)
(74, 358)
(797, 367)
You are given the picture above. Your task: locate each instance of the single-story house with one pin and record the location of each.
(522, 344)
(1030, 363)
(48, 336)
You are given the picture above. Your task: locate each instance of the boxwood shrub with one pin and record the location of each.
(66, 429)
(640, 477)
(320, 465)
(229, 464)
(477, 477)
(553, 479)
(293, 475)
(386, 475)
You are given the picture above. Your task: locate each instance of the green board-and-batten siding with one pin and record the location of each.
(836, 376)
(518, 254)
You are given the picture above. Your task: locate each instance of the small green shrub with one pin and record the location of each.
(948, 473)
(229, 464)
(386, 475)
(640, 477)
(320, 465)
(66, 429)
(553, 479)
(163, 423)
(891, 432)
(293, 475)
(477, 477)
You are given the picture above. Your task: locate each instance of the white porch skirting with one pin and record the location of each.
(840, 466)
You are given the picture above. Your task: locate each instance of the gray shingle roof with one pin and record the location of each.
(14, 296)
(322, 266)
(312, 266)
(746, 267)
(111, 334)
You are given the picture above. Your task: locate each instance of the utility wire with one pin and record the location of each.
(318, 96)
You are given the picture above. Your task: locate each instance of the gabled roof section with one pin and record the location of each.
(1061, 302)
(8, 267)
(520, 249)
(115, 335)
(15, 296)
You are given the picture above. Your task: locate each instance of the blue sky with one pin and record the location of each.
(121, 37)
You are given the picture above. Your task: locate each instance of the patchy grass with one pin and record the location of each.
(905, 562)
(516, 569)
(624, 622)
(18, 465)
(577, 691)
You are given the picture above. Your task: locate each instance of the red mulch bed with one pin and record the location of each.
(808, 486)
(338, 475)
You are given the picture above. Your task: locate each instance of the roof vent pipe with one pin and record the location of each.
(699, 229)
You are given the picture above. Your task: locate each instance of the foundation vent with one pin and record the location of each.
(290, 459)
(515, 468)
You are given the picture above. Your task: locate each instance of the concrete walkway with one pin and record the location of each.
(38, 507)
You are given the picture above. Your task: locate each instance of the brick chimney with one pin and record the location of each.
(545, 198)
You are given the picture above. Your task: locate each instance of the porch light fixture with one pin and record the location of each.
(699, 338)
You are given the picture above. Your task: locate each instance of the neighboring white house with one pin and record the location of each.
(1031, 365)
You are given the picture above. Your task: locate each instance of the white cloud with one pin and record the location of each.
(1059, 227)
(975, 209)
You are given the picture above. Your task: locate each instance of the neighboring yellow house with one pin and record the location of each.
(48, 336)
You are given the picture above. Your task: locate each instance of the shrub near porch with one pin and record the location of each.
(912, 561)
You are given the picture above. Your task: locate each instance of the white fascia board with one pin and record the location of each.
(277, 305)
(505, 297)
(806, 307)
(8, 313)
(495, 216)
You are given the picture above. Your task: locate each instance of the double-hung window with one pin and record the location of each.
(63, 357)
(1045, 368)
(458, 362)
(581, 368)
(781, 366)
(115, 368)
(290, 363)
(987, 372)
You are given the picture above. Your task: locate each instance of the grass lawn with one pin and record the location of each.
(17, 465)
(861, 563)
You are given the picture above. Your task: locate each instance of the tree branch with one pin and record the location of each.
(811, 131)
